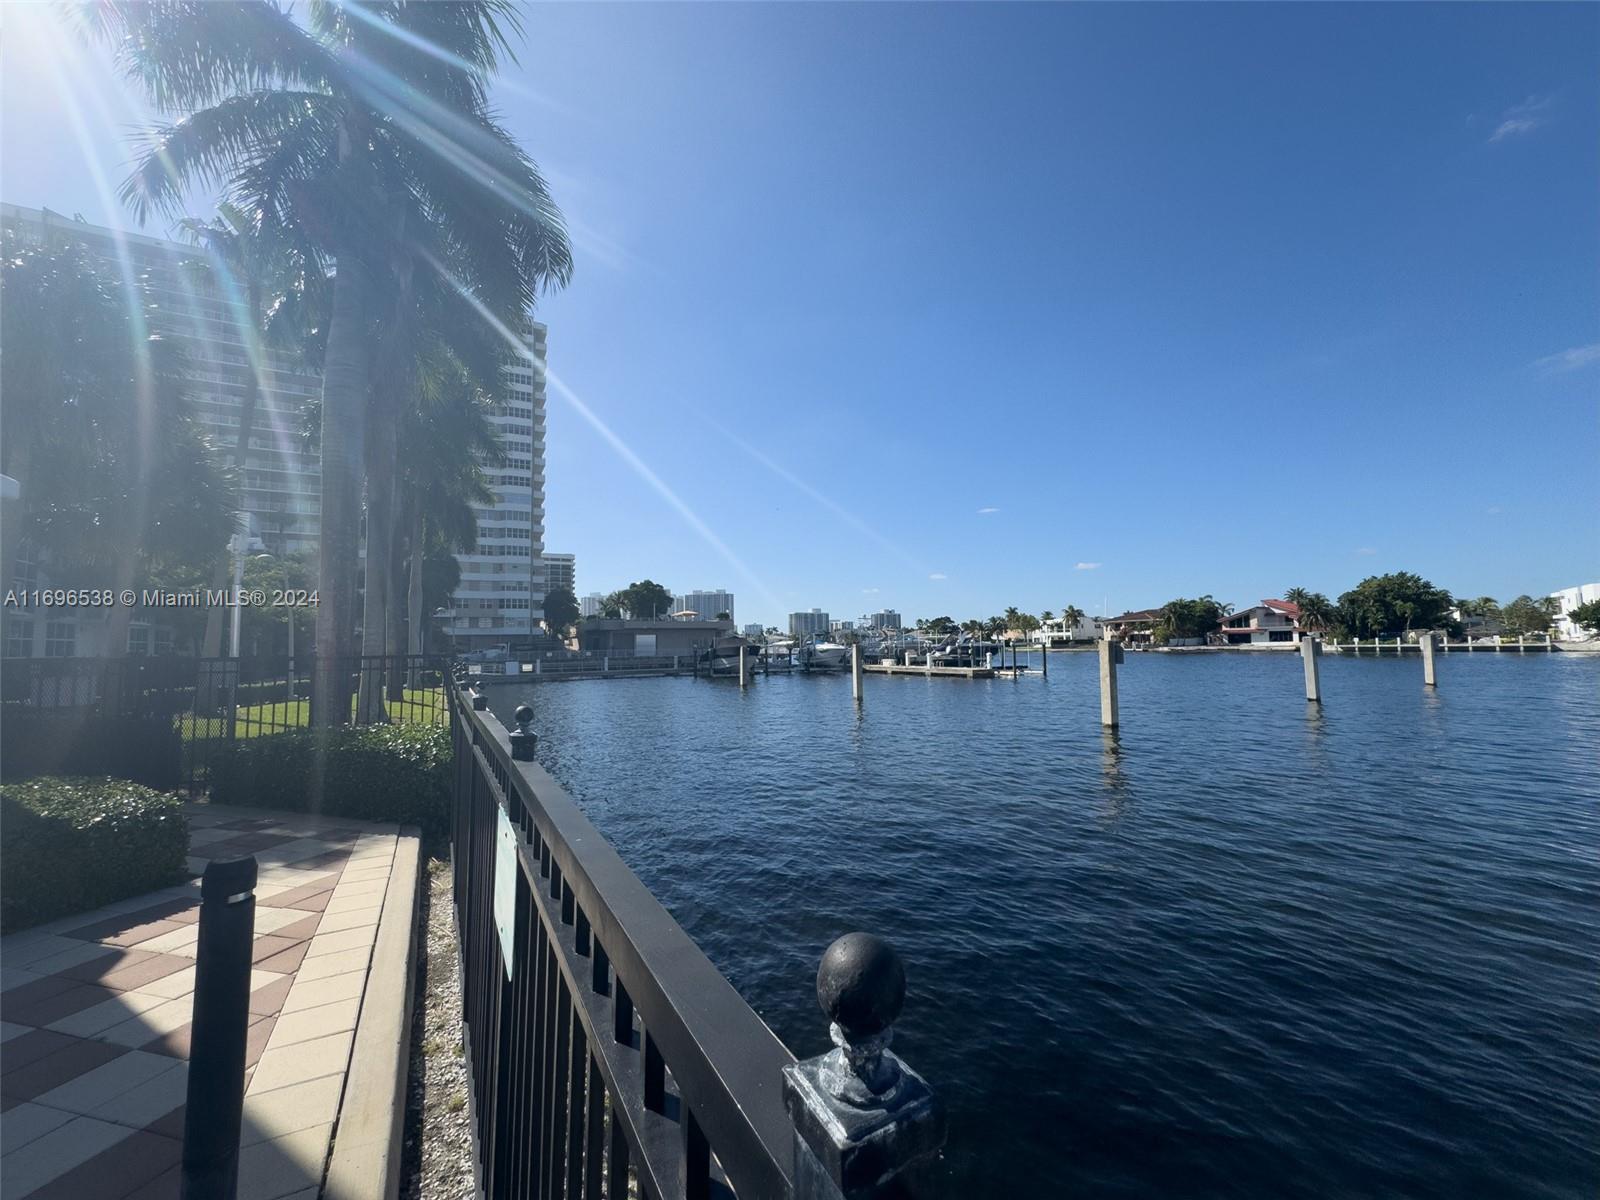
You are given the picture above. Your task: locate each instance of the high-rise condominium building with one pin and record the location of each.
(589, 606)
(501, 594)
(884, 619)
(191, 299)
(803, 623)
(708, 604)
(560, 571)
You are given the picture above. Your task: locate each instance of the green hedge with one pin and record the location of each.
(395, 773)
(73, 843)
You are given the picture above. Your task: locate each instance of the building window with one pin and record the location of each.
(25, 571)
(1280, 635)
(19, 637)
(60, 639)
(138, 639)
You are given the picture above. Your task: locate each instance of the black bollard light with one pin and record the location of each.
(221, 1019)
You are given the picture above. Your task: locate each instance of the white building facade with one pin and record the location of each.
(1567, 599)
(500, 598)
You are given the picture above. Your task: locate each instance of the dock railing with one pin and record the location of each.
(608, 1056)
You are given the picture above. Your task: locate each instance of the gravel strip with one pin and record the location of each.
(438, 1143)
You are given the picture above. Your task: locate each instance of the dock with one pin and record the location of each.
(944, 672)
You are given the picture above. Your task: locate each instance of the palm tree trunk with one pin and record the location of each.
(394, 634)
(212, 645)
(380, 546)
(414, 630)
(344, 401)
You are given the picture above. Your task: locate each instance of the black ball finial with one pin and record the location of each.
(523, 715)
(861, 984)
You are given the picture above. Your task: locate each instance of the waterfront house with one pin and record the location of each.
(1057, 633)
(1567, 599)
(1269, 621)
(1133, 628)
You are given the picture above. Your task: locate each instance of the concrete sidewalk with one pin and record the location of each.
(95, 1013)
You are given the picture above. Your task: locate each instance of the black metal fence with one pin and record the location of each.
(166, 720)
(608, 1057)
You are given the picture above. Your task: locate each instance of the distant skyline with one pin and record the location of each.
(953, 307)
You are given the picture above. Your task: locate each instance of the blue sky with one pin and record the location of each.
(948, 308)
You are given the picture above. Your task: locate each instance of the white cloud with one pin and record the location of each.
(1569, 360)
(1521, 118)
(1494, 510)
(984, 512)
(1087, 566)
(1365, 550)
(938, 575)
(869, 591)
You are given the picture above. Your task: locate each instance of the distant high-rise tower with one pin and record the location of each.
(707, 603)
(560, 571)
(501, 594)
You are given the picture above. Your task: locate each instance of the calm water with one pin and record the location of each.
(1240, 951)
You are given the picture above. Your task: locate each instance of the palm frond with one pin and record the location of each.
(220, 143)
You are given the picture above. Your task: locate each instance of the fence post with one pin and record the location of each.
(863, 1119)
(1311, 651)
(215, 1102)
(524, 742)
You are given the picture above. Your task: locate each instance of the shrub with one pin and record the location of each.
(397, 773)
(73, 843)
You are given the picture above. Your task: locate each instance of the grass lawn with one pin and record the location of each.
(423, 706)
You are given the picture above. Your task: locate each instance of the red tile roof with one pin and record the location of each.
(1282, 606)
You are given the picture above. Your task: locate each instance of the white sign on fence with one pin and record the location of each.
(505, 887)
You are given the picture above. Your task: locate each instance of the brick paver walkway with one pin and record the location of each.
(95, 1014)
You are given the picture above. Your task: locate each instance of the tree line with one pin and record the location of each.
(1379, 606)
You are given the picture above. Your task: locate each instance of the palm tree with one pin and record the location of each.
(1297, 596)
(271, 285)
(1316, 611)
(444, 441)
(435, 349)
(356, 129)
(1071, 616)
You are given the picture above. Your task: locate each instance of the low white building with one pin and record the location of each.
(1566, 629)
(1058, 633)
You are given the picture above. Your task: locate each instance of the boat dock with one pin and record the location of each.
(945, 672)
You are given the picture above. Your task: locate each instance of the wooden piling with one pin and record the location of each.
(744, 677)
(855, 672)
(1310, 652)
(1110, 656)
(1429, 676)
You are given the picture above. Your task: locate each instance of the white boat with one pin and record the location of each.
(823, 656)
(723, 656)
(965, 653)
